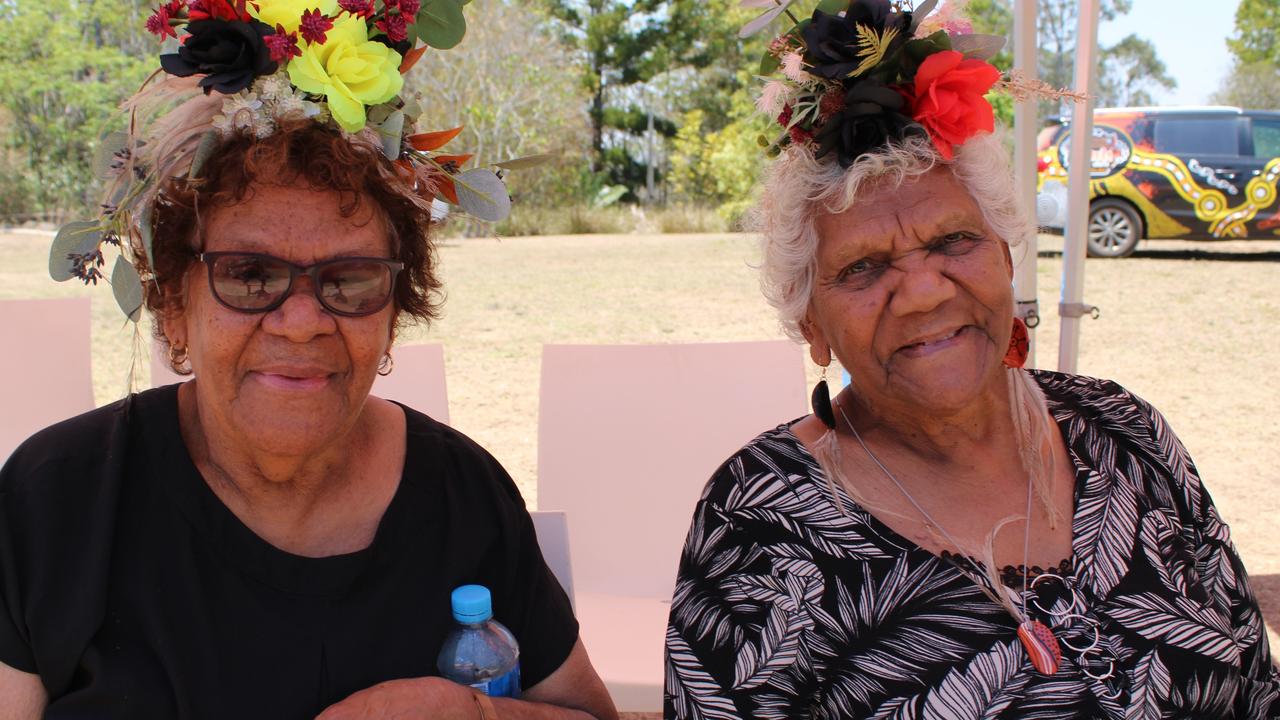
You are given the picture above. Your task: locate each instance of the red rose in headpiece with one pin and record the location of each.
(948, 99)
(230, 10)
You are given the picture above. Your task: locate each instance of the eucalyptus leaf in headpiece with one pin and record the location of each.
(126, 285)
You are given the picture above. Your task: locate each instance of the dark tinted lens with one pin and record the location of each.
(249, 282)
(354, 287)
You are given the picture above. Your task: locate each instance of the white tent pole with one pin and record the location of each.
(1072, 306)
(1025, 169)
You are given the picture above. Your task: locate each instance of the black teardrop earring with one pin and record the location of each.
(822, 402)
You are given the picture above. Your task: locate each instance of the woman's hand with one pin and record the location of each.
(411, 699)
(573, 692)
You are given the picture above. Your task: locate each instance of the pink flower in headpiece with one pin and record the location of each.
(315, 26)
(158, 23)
(772, 98)
(793, 67)
(958, 27)
(949, 99)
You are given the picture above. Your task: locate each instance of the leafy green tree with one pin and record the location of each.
(1254, 79)
(625, 45)
(691, 150)
(1254, 85)
(1057, 28)
(65, 65)
(1257, 35)
(1131, 69)
(510, 82)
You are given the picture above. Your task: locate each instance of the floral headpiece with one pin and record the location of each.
(860, 73)
(233, 67)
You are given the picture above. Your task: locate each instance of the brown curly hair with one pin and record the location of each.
(298, 152)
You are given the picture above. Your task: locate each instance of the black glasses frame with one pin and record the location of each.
(210, 258)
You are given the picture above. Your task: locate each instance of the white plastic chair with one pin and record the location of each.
(417, 380)
(627, 438)
(46, 371)
(553, 539)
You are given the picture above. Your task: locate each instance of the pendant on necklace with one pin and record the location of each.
(1042, 646)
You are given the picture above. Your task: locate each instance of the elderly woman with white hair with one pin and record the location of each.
(950, 536)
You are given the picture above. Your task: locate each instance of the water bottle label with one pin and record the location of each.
(503, 686)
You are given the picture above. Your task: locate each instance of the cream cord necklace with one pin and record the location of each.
(1039, 641)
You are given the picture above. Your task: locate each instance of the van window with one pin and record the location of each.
(1266, 138)
(1197, 136)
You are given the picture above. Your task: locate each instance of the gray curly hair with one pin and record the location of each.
(797, 188)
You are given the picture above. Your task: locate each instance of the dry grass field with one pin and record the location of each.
(1192, 327)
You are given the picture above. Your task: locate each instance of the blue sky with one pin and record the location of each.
(1189, 37)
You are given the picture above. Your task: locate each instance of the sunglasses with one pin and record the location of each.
(258, 283)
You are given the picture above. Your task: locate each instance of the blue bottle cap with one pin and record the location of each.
(472, 604)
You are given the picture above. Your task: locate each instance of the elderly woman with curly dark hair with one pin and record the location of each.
(268, 540)
(950, 536)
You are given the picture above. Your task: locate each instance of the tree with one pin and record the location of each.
(65, 66)
(625, 45)
(513, 85)
(1254, 79)
(1130, 69)
(1255, 39)
(1057, 33)
(1255, 86)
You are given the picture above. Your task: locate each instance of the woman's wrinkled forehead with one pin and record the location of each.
(290, 223)
(887, 213)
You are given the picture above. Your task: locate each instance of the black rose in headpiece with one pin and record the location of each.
(229, 53)
(872, 114)
(832, 43)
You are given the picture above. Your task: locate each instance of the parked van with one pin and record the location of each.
(1186, 172)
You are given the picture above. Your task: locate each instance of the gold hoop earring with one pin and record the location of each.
(177, 356)
(387, 364)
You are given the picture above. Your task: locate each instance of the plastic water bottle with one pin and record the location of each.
(480, 652)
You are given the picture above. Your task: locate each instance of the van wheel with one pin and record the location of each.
(1114, 229)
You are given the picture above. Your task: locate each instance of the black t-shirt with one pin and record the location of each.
(135, 593)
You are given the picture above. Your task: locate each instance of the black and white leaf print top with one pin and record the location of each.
(787, 608)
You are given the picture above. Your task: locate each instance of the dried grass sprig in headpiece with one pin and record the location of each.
(859, 73)
(1020, 87)
(235, 67)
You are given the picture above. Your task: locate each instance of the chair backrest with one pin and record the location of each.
(161, 373)
(46, 370)
(417, 380)
(628, 435)
(553, 539)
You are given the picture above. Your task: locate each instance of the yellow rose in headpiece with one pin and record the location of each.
(288, 13)
(349, 70)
